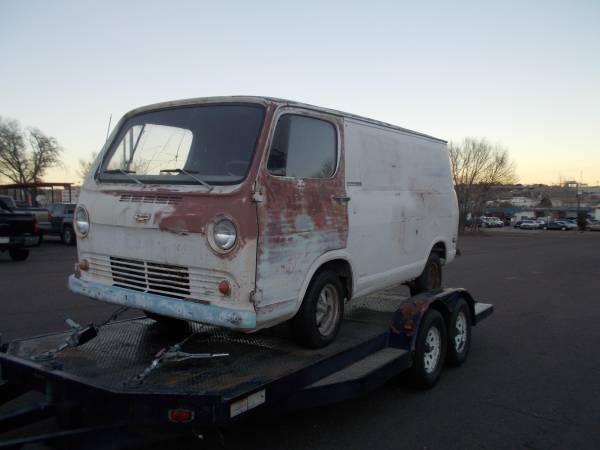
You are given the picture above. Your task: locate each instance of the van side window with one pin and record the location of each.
(303, 147)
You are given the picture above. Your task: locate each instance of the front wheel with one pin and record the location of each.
(430, 278)
(68, 236)
(430, 351)
(166, 323)
(318, 321)
(18, 254)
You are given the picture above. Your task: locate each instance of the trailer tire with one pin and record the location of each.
(430, 278)
(430, 351)
(18, 254)
(459, 334)
(317, 322)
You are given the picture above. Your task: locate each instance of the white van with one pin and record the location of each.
(244, 212)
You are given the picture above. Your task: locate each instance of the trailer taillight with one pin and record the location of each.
(181, 415)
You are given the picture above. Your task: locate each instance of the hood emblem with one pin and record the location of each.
(142, 217)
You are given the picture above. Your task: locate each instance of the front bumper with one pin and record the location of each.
(166, 306)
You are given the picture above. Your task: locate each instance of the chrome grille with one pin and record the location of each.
(155, 278)
(153, 199)
(193, 284)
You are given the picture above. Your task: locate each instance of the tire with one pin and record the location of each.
(18, 254)
(459, 334)
(427, 363)
(166, 323)
(430, 278)
(318, 321)
(67, 236)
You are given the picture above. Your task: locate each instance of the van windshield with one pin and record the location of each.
(208, 145)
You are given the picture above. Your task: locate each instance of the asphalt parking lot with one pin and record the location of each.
(532, 379)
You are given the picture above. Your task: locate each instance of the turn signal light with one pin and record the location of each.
(225, 288)
(84, 265)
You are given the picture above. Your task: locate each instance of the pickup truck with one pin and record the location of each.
(17, 232)
(40, 213)
(60, 222)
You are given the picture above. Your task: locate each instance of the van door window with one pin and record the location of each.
(303, 147)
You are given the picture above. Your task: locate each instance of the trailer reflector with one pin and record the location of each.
(181, 415)
(252, 401)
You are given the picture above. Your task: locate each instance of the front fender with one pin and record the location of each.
(407, 318)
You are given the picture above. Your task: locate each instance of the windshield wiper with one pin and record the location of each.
(190, 174)
(124, 172)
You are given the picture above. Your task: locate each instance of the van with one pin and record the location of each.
(245, 212)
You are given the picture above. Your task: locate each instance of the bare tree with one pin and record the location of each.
(478, 165)
(85, 165)
(26, 155)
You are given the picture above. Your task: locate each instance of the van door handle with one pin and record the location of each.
(340, 199)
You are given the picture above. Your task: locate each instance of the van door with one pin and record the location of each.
(302, 209)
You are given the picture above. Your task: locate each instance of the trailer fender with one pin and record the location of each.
(407, 318)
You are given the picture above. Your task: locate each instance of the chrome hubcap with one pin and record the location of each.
(460, 336)
(433, 344)
(327, 310)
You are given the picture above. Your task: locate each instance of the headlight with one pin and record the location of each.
(224, 235)
(82, 221)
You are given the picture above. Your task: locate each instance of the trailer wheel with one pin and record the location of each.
(18, 254)
(430, 278)
(318, 321)
(459, 334)
(430, 351)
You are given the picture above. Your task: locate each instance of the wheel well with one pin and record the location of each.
(344, 271)
(440, 249)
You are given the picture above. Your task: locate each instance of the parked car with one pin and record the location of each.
(246, 212)
(560, 225)
(60, 222)
(593, 226)
(17, 232)
(529, 225)
(491, 222)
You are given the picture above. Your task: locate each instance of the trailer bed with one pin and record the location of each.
(264, 368)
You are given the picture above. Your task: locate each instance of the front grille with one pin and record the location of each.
(155, 278)
(153, 199)
(194, 284)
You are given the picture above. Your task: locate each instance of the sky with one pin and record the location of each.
(523, 74)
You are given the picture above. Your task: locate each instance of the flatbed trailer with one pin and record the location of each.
(132, 374)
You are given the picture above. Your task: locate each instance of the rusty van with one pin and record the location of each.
(245, 212)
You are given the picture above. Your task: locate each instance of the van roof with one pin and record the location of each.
(278, 101)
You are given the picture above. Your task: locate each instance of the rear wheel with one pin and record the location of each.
(430, 351)
(18, 254)
(68, 236)
(318, 321)
(459, 334)
(430, 278)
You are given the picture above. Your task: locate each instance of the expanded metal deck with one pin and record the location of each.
(122, 351)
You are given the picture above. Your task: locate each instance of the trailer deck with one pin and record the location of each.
(264, 368)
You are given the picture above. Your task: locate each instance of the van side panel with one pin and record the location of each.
(402, 203)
